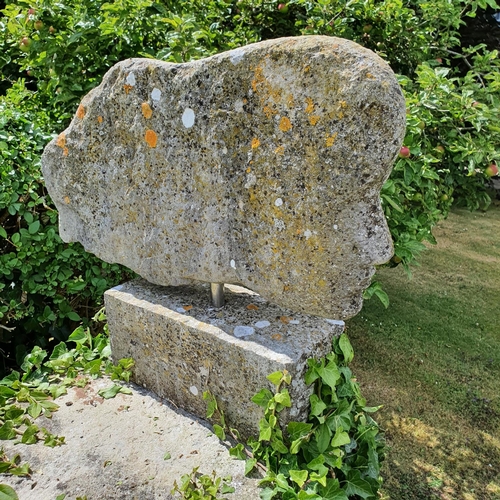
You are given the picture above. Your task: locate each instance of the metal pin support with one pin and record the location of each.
(217, 294)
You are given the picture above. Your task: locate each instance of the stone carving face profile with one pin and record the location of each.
(261, 166)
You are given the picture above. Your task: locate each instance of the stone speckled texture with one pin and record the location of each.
(182, 347)
(260, 166)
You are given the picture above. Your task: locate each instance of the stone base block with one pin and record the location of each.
(182, 346)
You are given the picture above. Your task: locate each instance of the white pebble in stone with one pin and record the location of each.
(188, 118)
(181, 310)
(278, 202)
(335, 227)
(194, 390)
(262, 324)
(156, 94)
(294, 322)
(130, 79)
(307, 234)
(233, 264)
(335, 322)
(243, 331)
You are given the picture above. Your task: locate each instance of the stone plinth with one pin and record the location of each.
(183, 347)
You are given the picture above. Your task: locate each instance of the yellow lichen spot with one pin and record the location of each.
(67, 200)
(290, 101)
(258, 78)
(147, 112)
(245, 100)
(255, 143)
(309, 105)
(275, 250)
(370, 76)
(276, 94)
(307, 69)
(127, 88)
(286, 288)
(340, 115)
(151, 138)
(322, 283)
(65, 151)
(80, 112)
(330, 139)
(313, 119)
(249, 170)
(269, 112)
(280, 150)
(343, 104)
(100, 119)
(61, 140)
(276, 336)
(285, 124)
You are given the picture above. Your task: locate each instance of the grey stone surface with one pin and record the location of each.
(183, 347)
(115, 450)
(260, 166)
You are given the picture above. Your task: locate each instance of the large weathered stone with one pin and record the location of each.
(260, 166)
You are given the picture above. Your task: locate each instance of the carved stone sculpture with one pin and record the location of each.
(261, 166)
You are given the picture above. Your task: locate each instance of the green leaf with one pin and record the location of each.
(346, 348)
(226, 488)
(283, 398)
(7, 431)
(61, 497)
(249, 465)
(355, 485)
(265, 494)
(275, 378)
(73, 316)
(323, 435)
(238, 452)
(297, 430)
(167, 456)
(299, 476)
(329, 374)
(341, 438)
(34, 227)
(333, 491)
(219, 432)
(30, 435)
(317, 405)
(110, 392)
(34, 409)
(263, 397)
(7, 493)
(265, 430)
(3, 232)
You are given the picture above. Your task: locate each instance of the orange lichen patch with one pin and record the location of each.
(147, 112)
(249, 170)
(286, 288)
(313, 119)
(255, 143)
(67, 200)
(65, 151)
(285, 124)
(61, 140)
(80, 112)
(252, 307)
(285, 319)
(258, 78)
(100, 119)
(276, 336)
(275, 94)
(187, 308)
(280, 150)
(151, 138)
(269, 112)
(127, 88)
(309, 105)
(330, 139)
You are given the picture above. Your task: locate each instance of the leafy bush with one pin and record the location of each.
(45, 284)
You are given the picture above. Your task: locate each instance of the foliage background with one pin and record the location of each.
(51, 54)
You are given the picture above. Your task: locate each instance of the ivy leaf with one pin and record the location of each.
(265, 430)
(219, 432)
(317, 405)
(346, 348)
(299, 476)
(275, 378)
(7, 493)
(333, 491)
(341, 438)
(265, 494)
(34, 410)
(110, 392)
(305, 495)
(323, 435)
(6, 431)
(263, 397)
(355, 485)
(238, 452)
(283, 398)
(226, 488)
(249, 465)
(297, 430)
(29, 436)
(329, 374)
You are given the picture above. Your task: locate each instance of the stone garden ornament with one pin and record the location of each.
(260, 166)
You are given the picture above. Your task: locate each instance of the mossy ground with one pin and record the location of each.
(433, 360)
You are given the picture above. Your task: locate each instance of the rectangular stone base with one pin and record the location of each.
(182, 346)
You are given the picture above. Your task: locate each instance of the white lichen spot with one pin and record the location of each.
(238, 106)
(236, 56)
(156, 94)
(278, 202)
(181, 310)
(251, 180)
(204, 371)
(188, 118)
(337, 322)
(224, 150)
(279, 224)
(335, 227)
(193, 390)
(130, 79)
(307, 234)
(262, 324)
(233, 264)
(117, 288)
(243, 331)
(294, 322)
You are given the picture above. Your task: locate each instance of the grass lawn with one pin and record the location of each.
(433, 360)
